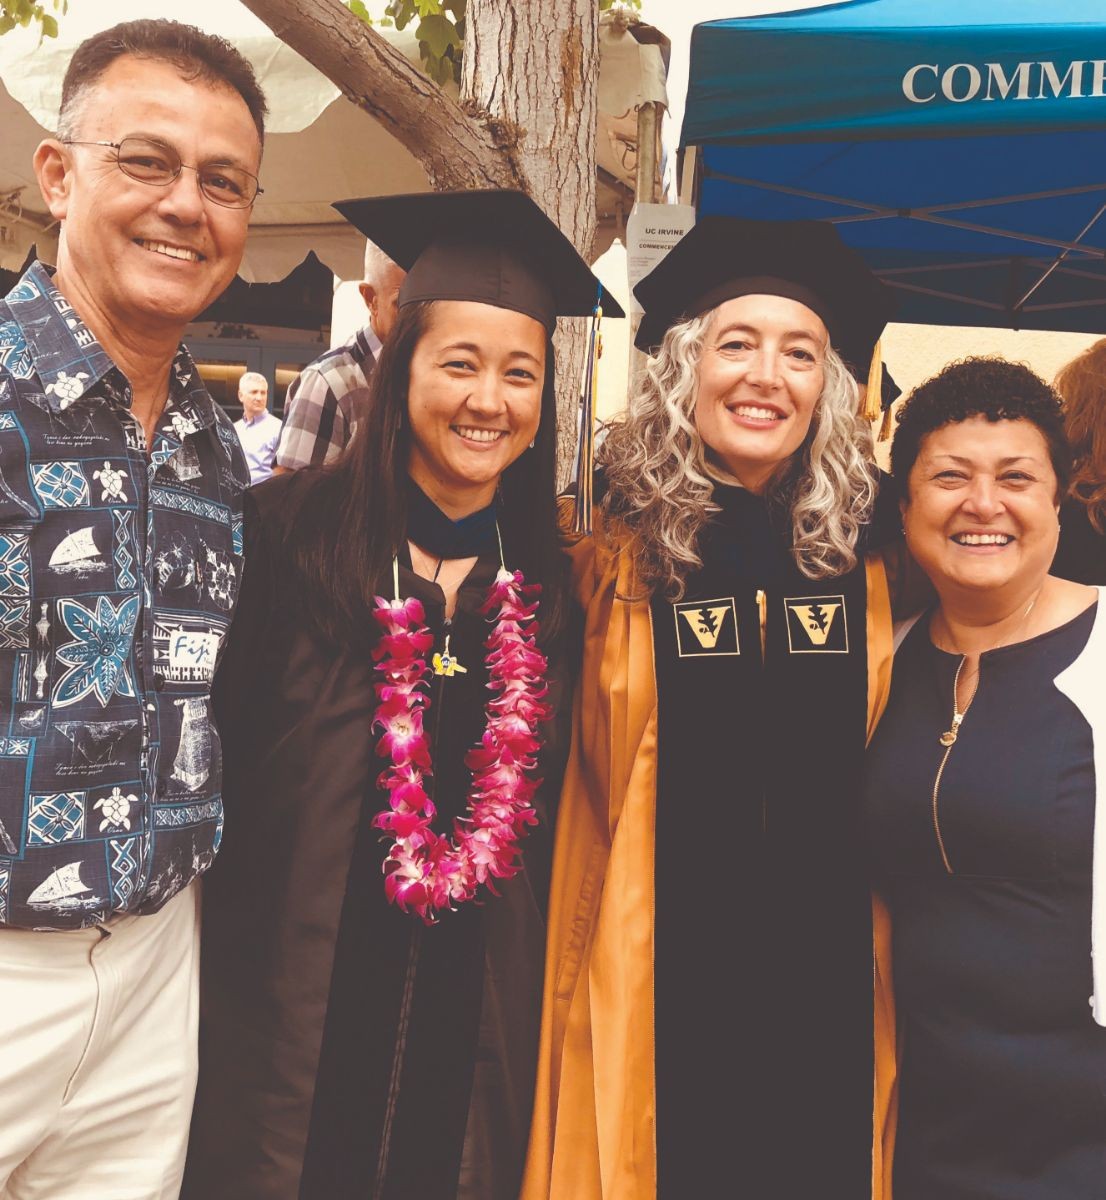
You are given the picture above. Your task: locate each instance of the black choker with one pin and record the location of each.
(431, 530)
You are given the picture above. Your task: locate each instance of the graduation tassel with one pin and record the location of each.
(585, 448)
(874, 392)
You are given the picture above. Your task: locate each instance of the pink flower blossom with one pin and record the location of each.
(403, 739)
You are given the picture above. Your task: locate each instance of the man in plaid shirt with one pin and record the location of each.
(327, 400)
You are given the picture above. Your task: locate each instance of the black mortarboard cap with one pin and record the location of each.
(723, 257)
(492, 247)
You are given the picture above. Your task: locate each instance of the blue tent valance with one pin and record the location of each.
(960, 146)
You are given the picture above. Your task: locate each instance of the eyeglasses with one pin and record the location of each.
(158, 164)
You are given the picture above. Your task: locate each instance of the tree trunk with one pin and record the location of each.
(533, 69)
(526, 120)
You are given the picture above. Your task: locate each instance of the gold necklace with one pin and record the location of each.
(948, 738)
(430, 569)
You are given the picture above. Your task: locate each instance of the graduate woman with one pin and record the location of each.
(372, 965)
(708, 1006)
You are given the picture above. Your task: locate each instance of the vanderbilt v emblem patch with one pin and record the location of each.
(816, 625)
(706, 627)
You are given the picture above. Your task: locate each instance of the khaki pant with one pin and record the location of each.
(98, 1057)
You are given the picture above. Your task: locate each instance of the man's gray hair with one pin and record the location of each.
(376, 263)
(252, 379)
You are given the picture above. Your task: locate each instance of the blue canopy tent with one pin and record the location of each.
(960, 145)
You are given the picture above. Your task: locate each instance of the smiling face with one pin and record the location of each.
(474, 400)
(981, 512)
(253, 395)
(132, 255)
(760, 377)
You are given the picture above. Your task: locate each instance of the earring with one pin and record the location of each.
(532, 441)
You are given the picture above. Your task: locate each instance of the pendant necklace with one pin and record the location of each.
(443, 662)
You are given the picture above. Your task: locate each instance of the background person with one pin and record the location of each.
(1081, 554)
(980, 797)
(258, 429)
(348, 1049)
(328, 399)
(120, 542)
(708, 1000)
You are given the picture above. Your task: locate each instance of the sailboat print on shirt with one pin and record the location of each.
(77, 554)
(63, 889)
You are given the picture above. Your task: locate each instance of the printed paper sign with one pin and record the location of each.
(651, 231)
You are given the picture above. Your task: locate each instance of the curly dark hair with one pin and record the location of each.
(990, 387)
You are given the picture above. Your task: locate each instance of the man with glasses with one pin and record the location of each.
(120, 558)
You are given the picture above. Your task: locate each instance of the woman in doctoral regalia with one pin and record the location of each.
(375, 927)
(708, 1006)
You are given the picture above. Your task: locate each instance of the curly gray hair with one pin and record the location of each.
(660, 487)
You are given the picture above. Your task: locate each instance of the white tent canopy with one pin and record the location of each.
(318, 148)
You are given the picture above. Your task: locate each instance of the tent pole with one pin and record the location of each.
(689, 175)
(645, 191)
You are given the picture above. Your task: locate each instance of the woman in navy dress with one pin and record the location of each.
(980, 797)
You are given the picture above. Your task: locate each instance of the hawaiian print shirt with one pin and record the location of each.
(119, 569)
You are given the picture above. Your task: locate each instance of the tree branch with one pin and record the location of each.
(456, 150)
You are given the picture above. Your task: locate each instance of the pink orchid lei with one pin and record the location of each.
(426, 872)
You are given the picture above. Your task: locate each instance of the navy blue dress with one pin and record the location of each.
(1003, 1069)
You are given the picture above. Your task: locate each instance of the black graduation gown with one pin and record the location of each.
(346, 1049)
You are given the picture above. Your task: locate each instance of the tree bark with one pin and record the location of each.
(534, 68)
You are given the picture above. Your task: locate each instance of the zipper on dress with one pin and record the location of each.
(948, 740)
(936, 818)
